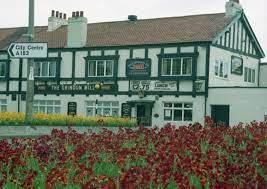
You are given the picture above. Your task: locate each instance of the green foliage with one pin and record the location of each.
(32, 163)
(204, 146)
(172, 185)
(229, 140)
(140, 162)
(39, 181)
(128, 144)
(195, 182)
(107, 169)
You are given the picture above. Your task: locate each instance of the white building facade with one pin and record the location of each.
(168, 70)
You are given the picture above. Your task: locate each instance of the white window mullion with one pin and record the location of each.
(171, 66)
(105, 68)
(96, 65)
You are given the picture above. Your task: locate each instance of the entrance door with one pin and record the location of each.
(143, 114)
(220, 114)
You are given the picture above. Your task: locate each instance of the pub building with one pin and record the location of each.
(165, 70)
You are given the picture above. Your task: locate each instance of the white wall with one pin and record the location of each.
(232, 80)
(263, 75)
(246, 104)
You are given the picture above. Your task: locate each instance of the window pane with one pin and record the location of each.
(50, 102)
(42, 109)
(168, 105)
(106, 112)
(99, 103)
(45, 69)
(52, 69)
(35, 109)
(187, 66)
(42, 102)
(246, 75)
(106, 104)
(99, 111)
(109, 68)
(57, 102)
(225, 70)
(178, 105)
(115, 111)
(115, 103)
(37, 68)
(3, 108)
(188, 105)
(249, 75)
(217, 67)
(92, 68)
(90, 112)
(49, 110)
(2, 69)
(167, 115)
(187, 115)
(166, 66)
(100, 68)
(221, 69)
(57, 110)
(253, 76)
(90, 103)
(176, 66)
(177, 115)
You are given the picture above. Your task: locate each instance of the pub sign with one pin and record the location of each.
(138, 67)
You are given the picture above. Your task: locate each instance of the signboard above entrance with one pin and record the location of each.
(27, 50)
(153, 85)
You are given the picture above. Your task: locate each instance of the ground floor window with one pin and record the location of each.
(102, 108)
(2, 69)
(47, 106)
(3, 105)
(178, 111)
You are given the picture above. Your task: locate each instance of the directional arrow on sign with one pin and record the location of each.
(27, 50)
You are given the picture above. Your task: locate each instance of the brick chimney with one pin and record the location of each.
(77, 30)
(56, 20)
(233, 8)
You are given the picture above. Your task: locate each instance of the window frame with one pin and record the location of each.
(173, 108)
(249, 75)
(46, 106)
(7, 68)
(56, 60)
(181, 56)
(3, 104)
(113, 58)
(96, 68)
(224, 69)
(96, 106)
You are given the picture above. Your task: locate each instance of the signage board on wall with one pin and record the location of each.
(237, 65)
(126, 110)
(71, 88)
(153, 85)
(138, 67)
(72, 108)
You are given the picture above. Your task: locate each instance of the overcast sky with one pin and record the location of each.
(14, 13)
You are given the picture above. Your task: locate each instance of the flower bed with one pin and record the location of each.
(185, 157)
(8, 118)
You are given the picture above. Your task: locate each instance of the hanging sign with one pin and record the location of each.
(153, 85)
(138, 67)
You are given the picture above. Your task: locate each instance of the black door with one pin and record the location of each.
(220, 114)
(141, 114)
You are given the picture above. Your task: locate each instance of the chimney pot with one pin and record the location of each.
(77, 14)
(132, 18)
(73, 14)
(53, 13)
(60, 15)
(57, 14)
(81, 13)
(65, 16)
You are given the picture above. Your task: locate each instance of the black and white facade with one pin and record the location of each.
(156, 70)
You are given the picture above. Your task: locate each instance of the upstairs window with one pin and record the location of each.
(221, 69)
(45, 69)
(250, 75)
(2, 69)
(176, 66)
(100, 68)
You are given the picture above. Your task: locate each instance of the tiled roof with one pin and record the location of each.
(196, 28)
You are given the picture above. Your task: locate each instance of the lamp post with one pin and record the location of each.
(30, 69)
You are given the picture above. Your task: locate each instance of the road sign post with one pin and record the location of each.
(27, 50)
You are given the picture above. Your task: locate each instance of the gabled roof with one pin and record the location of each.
(196, 28)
